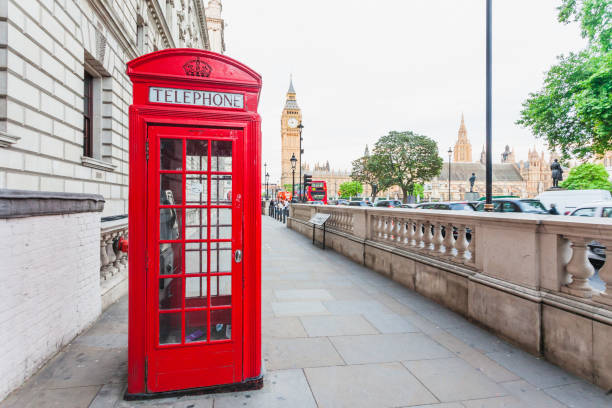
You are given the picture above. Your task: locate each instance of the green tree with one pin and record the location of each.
(419, 190)
(350, 189)
(595, 17)
(405, 159)
(366, 170)
(573, 110)
(588, 176)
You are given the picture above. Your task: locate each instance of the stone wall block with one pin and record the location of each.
(378, 260)
(602, 355)
(568, 341)
(522, 267)
(403, 270)
(430, 282)
(511, 317)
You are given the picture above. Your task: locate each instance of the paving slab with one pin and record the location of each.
(530, 395)
(390, 323)
(383, 348)
(302, 294)
(479, 339)
(282, 354)
(287, 327)
(72, 397)
(282, 389)
(367, 386)
(352, 307)
(498, 402)
(304, 308)
(581, 395)
(318, 326)
(453, 379)
(534, 370)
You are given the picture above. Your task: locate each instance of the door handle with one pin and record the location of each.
(238, 256)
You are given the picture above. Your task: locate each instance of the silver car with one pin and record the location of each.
(596, 251)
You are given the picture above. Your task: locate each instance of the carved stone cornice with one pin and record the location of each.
(161, 23)
(112, 23)
(201, 17)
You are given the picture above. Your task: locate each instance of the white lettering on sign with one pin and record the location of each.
(195, 97)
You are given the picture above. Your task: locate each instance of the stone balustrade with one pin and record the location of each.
(525, 277)
(113, 262)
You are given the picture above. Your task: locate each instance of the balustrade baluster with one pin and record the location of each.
(104, 261)
(427, 236)
(461, 243)
(449, 239)
(385, 228)
(420, 234)
(437, 238)
(111, 254)
(579, 268)
(472, 243)
(605, 273)
(412, 234)
(399, 224)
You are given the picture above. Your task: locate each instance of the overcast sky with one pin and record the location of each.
(362, 68)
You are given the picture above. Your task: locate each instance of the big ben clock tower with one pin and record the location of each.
(290, 138)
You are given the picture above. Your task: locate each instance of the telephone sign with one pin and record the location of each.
(195, 224)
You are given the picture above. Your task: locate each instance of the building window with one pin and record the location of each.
(87, 115)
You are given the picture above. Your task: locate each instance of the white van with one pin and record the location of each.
(567, 200)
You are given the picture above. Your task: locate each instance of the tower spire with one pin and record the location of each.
(291, 89)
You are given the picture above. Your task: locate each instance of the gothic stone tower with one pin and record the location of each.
(290, 137)
(463, 147)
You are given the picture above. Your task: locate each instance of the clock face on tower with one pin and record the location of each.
(292, 122)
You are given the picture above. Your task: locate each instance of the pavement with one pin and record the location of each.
(335, 334)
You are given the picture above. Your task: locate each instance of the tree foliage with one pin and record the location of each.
(405, 159)
(588, 176)
(595, 17)
(573, 110)
(366, 171)
(350, 189)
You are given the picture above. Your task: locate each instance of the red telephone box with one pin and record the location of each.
(195, 224)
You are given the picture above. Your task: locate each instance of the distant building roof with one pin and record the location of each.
(463, 171)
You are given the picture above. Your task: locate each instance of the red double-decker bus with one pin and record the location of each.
(317, 191)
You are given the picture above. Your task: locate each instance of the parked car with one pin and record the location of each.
(456, 206)
(360, 204)
(342, 201)
(525, 205)
(408, 205)
(567, 201)
(388, 203)
(596, 252)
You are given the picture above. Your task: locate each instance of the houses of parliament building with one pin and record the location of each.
(525, 179)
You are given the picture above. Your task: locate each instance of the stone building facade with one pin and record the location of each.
(522, 179)
(64, 130)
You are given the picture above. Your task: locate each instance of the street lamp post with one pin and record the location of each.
(293, 161)
(267, 180)
(300, 127)
(488, 169)
(450, 152)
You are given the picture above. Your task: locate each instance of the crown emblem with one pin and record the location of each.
(197, 68)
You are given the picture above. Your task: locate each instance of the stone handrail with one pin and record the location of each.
(537, 252)
(112, 261)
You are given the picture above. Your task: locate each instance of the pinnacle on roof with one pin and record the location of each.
(291, 89)
(462, 129)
